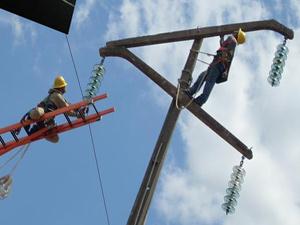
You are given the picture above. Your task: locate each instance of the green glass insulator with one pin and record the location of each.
(239, 169)
(279, 61)
(99, 67)
(99, 70)
(281, 54)
(277, 68)
(273, 81)
(231, 200)
(233, 191)
(95, 75)
(275, 74)
(228, 208)
(99, 73)
(235, 184)
(237, 177)
(95, 83)
(93, 88)
(283, 48)
(89, 94)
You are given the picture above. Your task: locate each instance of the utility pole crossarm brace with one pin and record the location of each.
(172, 90)
(200, 33)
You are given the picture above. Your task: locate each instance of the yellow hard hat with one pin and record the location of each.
(241, 36)
(59, 82)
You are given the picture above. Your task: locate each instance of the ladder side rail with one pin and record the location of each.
(44, 132)
(51, 114)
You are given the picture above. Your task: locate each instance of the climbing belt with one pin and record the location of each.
(6, 181)
(278, 63)
(205, 53)
(179, 86)
(198, 88)
(203, 61)
(234, 187)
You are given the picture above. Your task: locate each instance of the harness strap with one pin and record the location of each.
(47, 104)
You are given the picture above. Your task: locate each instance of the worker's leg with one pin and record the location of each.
(36, 113)
(201, 99)
(213, 73)
(197, 85)
(36, 127)
(54, 138)
(50, 123)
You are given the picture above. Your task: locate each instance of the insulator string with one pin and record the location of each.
(234, 188)
(276, 71)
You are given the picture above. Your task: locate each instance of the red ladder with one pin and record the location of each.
(44, 132)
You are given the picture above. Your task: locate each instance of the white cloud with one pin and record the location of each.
(16, 27)
(83, 12)
(264, 117)
(21, 30)
(127, 22)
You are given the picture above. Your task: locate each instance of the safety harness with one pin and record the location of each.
(224, 56)
(48, 106)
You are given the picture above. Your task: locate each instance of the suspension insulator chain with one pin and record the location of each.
(234, 187)
(95, 81)
(278, 63)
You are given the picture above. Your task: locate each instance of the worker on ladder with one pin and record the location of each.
(53, 101)
(218, 70)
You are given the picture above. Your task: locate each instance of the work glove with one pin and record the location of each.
(82, 112)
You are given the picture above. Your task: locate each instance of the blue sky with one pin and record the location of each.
(57, 183)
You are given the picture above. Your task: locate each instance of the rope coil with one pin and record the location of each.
(177, 98)
(5, 186)
(6, 181)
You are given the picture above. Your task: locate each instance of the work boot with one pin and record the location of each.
(197, 101)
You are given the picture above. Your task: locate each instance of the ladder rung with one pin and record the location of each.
(68, 119)
(2, 141)
(96, 111)
(13, 133)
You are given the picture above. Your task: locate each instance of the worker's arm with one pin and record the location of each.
(61, 102)
(221, 40)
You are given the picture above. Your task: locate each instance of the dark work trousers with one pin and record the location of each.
(213, 72)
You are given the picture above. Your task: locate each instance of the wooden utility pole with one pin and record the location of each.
(119, 48)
